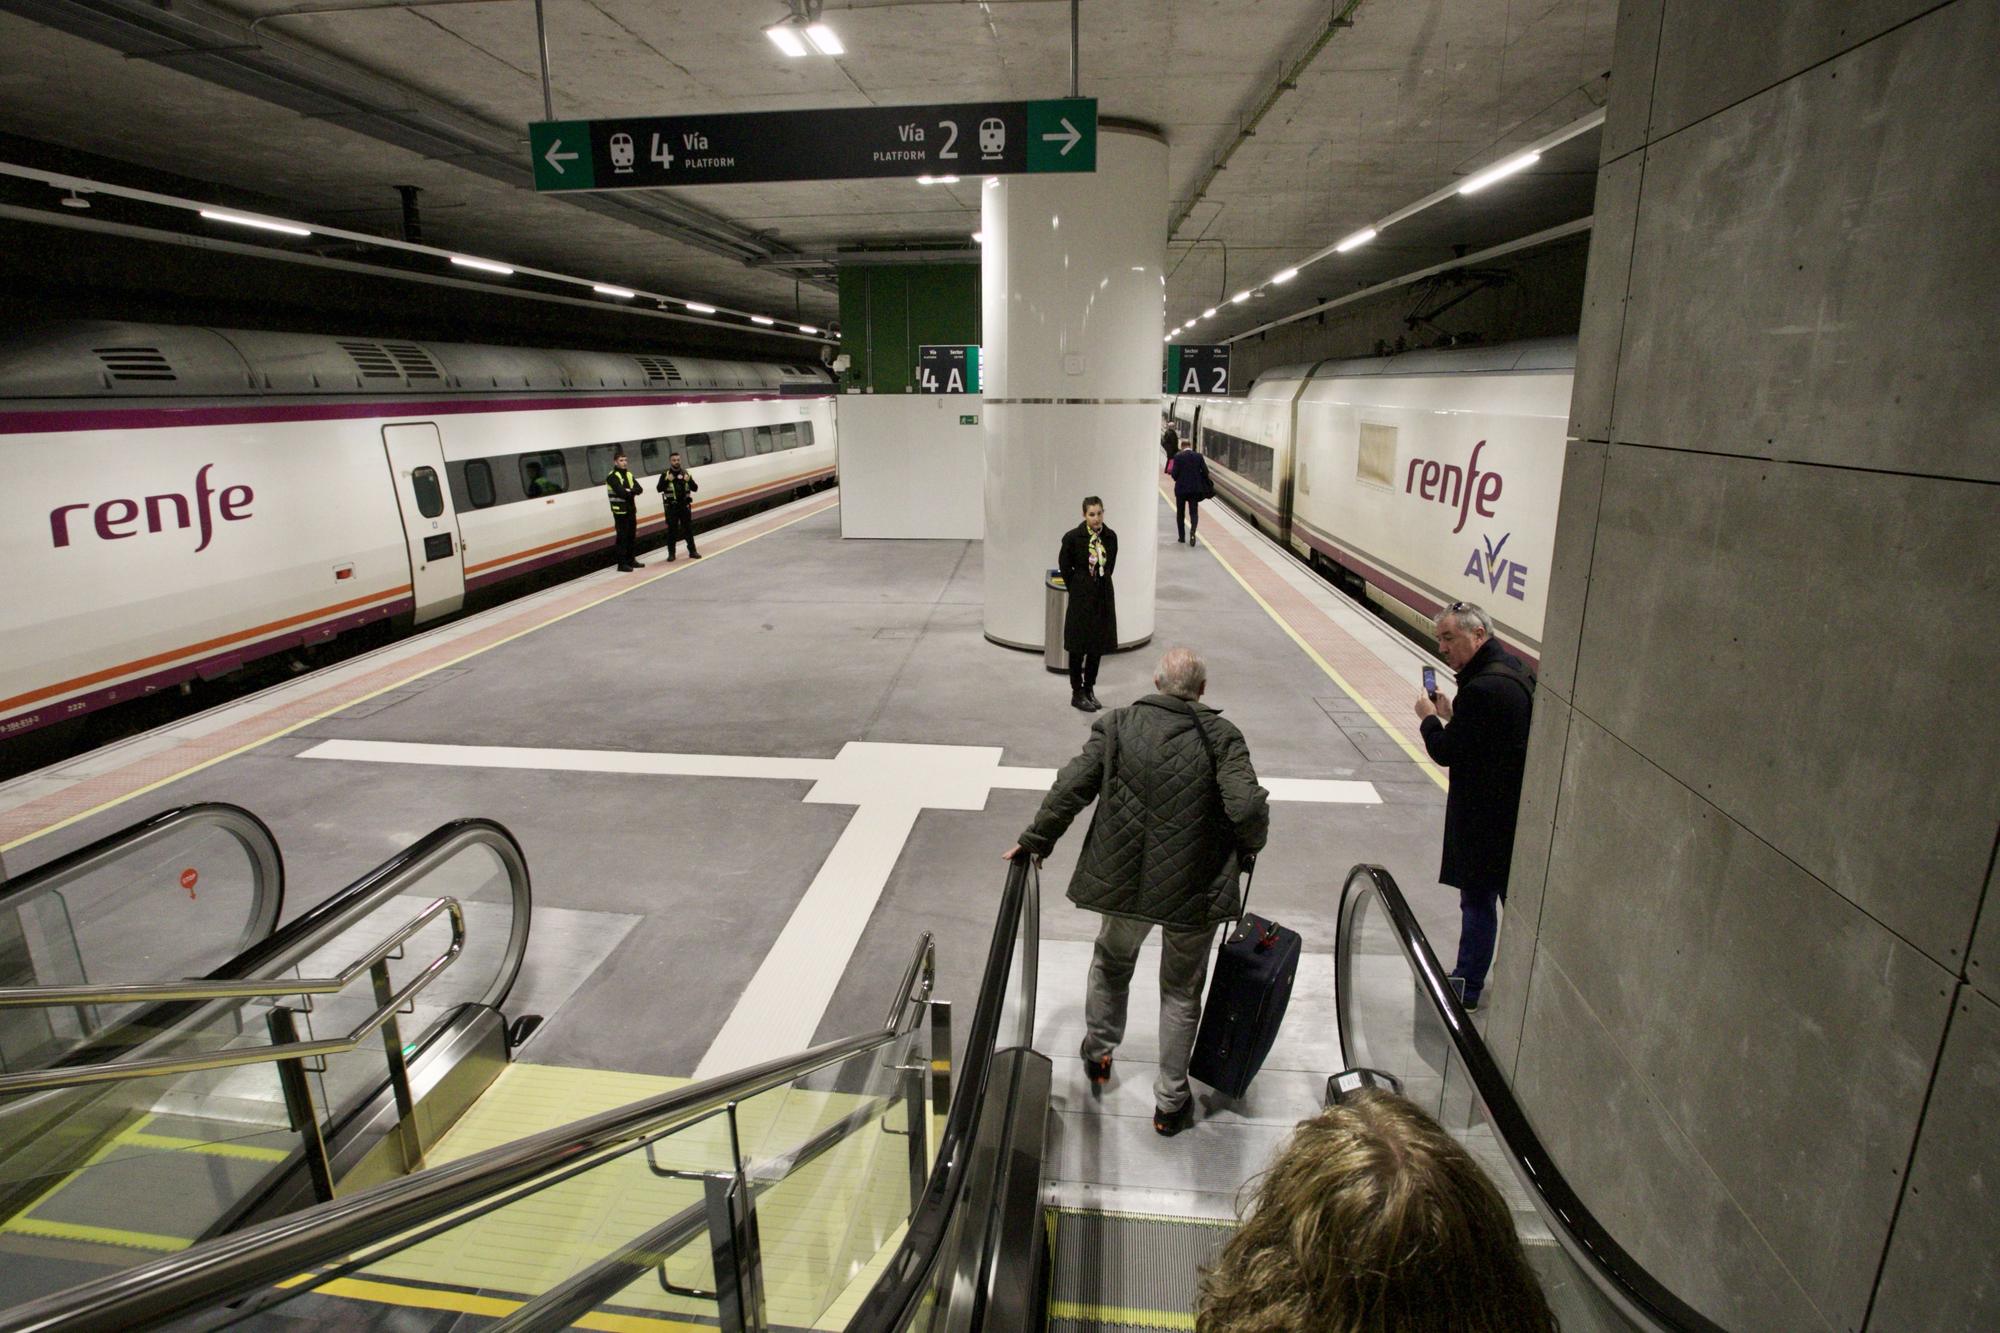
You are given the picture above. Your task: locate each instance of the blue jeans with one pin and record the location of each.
(1479, 926)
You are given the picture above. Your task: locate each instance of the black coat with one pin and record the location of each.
(1091, 624)
(1485, 745)
(1190, 471)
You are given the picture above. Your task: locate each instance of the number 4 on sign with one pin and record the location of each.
(662, 153)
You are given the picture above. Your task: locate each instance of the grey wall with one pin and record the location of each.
(1747, 984)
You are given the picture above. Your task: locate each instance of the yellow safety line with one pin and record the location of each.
(1417, 756)
(465, 1302)
(1118, 1314)
(397, 685)
(174, 1143)
(143, 1240)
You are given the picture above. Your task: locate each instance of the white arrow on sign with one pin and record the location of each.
(1068, 140)
(555, 159)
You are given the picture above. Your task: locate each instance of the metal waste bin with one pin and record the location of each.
(1055, 604)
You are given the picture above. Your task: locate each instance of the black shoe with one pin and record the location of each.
(1193, 542)
(626, 569)
(1097, 1071)
(1076, 700)
(1169, 1123)
(671, 557)
(1090, 697)
(693, 554)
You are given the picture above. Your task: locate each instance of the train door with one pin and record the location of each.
(430, 524)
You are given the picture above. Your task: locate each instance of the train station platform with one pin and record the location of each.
(746, 784)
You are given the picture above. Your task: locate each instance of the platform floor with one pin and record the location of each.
(758, 777)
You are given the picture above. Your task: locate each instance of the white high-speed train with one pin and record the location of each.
(179, 501)
(1414, 480)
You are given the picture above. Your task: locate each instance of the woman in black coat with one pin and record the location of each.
(1090, 628)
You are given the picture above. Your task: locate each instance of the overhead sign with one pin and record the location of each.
(947, 369)
(1196, 368)
(845, 143)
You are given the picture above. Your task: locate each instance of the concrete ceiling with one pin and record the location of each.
(1403, 99)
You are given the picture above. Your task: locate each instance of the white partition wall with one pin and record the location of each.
(911, 465)
(1074, 306)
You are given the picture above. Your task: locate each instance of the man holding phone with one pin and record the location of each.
(1482, 737)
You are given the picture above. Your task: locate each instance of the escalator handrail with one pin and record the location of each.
(1637, 1294)
(895, 1295)
(247, 1261)
(266, 862)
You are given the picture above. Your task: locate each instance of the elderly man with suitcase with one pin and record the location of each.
(1179, 812)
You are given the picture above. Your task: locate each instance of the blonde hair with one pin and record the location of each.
(1373, 1220)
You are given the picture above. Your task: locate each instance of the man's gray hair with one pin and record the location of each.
(1470, 617)
(1181, 673)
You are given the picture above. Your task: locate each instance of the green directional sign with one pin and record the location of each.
(842, 143)
(952, 368)
(1196, 368)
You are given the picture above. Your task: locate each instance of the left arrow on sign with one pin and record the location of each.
(556, 159)
(1068, 140)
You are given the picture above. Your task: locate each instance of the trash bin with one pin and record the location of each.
(1055, 599)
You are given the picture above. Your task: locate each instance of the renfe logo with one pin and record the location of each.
(116, 519)
(1443, 483)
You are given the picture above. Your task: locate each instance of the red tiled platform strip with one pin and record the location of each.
(45, 814)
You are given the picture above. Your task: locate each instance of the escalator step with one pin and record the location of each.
(1124, 1271)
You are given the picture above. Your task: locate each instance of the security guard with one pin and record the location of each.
(623, 489)
(677, 488)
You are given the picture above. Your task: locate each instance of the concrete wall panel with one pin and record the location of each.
(1641, 1177)
(1614, 215)
(1569, 566)
(1780, 1028)
(1793, 292)
(1776, 637)
(1732, 51)
(1635, 49)
(1983, 968)
(1943, 1270)
(1507, 997)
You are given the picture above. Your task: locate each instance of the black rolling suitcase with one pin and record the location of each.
(1247, 995)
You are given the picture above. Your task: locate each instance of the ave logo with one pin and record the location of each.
(1488, 566)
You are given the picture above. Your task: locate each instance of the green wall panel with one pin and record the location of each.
(888, 311)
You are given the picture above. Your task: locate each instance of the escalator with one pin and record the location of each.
(865, 1184)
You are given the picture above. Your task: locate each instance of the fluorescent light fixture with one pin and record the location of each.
(483, 265)
(979, 237)
(1239, 298)
(262, 224)
(1286, 276)
(1362, 237)
(823, 40)
(1505, 169)
(759, 319)
(937, 180)
(623, 293)
(699, 308)
(786, 38)
(808, 328)
(1168, 339)
(1208, 313)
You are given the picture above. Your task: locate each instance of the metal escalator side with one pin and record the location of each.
(1400, 1017)
(336, 1048)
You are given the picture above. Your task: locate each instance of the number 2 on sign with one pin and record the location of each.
(950, 127)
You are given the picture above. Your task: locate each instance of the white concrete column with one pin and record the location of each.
(1074, 307)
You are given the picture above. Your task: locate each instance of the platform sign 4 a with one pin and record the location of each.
(947, 369)
(1197, 368)
(836, 143)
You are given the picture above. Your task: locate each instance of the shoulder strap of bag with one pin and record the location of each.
(1215, 766)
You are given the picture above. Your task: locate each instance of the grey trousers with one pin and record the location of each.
(1183, 972)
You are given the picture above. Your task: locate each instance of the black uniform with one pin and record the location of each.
(677, 493)
(623, 489)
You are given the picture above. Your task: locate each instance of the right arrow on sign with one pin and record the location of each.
(555, 159)
(1068, 140)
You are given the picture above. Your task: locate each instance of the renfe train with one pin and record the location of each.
(1414, 480)
(179, 501)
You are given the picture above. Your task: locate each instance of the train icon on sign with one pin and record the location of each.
(621, 152)
(992, 137)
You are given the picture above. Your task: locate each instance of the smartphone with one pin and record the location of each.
(1431, 682)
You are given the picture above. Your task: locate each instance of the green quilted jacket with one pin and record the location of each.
(1170, 823)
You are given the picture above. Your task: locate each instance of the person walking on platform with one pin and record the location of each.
(1179, 814)
(623, 489)
(1482, 737)
(1191, 486)
(677, 488)
(1090, 625)
(1170, 439)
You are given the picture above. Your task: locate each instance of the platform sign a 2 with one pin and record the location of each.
(947, 368)
(1196, 368)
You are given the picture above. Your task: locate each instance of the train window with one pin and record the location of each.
(697, 449)
(597, 462)
(788, 436)
(543, 474)
(430, 495)
(1375, 462)
(479, 483)
(763, 441)
(805, 434)
(650, 457)
(732, 443)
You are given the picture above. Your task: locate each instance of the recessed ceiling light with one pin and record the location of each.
(807, 328)
(262, 224)
(1239, 298)
(786, 38)
(937, 180)
(759, 319)
(699, 308)
(483, 265)
(1286, 276)
(1505, 169)
(1208, 312)
(624, 293)
(823, 39)
(1362, 237)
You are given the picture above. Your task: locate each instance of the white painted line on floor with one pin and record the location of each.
(888, 785)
